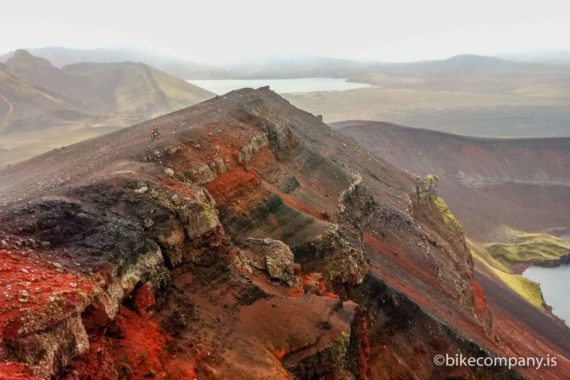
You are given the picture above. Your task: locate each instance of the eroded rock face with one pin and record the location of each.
(50, 350)
(272, 256)
(116, 250)
(340, 260)
(248, 151)
(198, 217)
(442, 230)
(207, 172)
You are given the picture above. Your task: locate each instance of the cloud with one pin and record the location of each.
(219, 30)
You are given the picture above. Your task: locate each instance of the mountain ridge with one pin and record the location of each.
(490, 170)
(250, 240)
(82, 101)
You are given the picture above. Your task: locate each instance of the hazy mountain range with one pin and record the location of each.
(259, 67)
(556, 57)
(279, 66)
(43, 106)
(105, 88)
(468, 94)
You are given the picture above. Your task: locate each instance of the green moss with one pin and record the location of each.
(527, 289)
(431, 178)
(446, 214)
(339, 347)
(522, 247)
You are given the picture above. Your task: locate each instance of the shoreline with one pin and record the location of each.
(548, 308)
(519, 268)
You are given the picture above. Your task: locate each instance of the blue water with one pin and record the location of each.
(282, 86)
(555, 285)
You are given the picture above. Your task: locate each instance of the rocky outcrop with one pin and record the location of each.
(340, 260)
(272, 256)
(404, 333)
(130, 242)
(444, 232)
(248, 151)
(426, 191)
(206, 173)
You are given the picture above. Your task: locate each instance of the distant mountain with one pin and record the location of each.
(274, 67)
(139, 89)
(40, 72)
(466, 94)
(182, 68)
(467, 72)
(25, 106)
(269, 67)
(36, 96)
(555, 57)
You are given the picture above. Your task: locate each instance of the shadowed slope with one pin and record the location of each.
(524, 183)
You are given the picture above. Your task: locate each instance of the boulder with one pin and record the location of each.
(272, 256)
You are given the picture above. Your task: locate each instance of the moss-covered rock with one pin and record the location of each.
(537, 249)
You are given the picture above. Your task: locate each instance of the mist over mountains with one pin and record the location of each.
(288, 66)
(44, 107)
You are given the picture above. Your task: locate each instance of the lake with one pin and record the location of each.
(555, 283)
(282, 86)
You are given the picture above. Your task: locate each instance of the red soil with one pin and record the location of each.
(30, 286)
(137, 348)
(315, 283)
(402, 261)
(473, 151)
(16, 371)
(238, 188)
(179, 187)
(263, 159)
(144, 298)
(479, 301)
(363, 347)
(280, 353)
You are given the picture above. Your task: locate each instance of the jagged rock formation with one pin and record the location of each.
(294, 255)
(272, 256)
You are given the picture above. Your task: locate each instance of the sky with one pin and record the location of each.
(229, 30)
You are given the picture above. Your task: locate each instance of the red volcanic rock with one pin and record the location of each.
(482, 308)
(41, 307)
(133, 347)
(144, 298)
(16, 371)
(313, 282)
(30, 286)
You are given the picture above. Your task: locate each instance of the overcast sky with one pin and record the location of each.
(221, 30)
